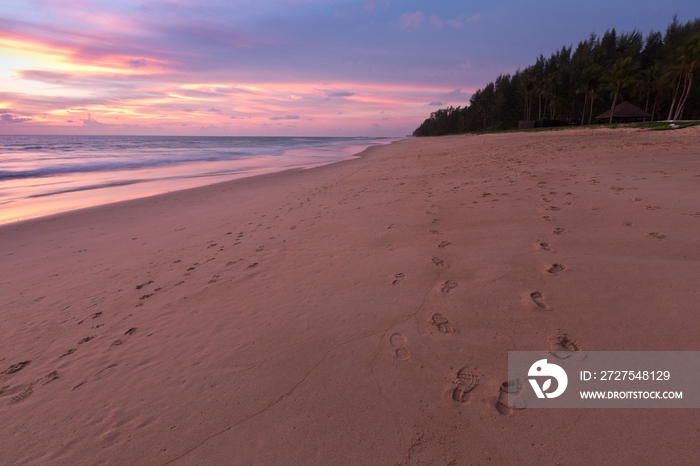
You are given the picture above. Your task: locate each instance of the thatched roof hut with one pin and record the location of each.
(625, 110)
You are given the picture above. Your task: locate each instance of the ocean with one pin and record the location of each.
(43, 175)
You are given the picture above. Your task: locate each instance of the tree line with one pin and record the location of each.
(656, 73)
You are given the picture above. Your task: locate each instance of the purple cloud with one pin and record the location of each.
(137, 63)
(287, 117)
(8, 118)
(43, 76)
(339, 93)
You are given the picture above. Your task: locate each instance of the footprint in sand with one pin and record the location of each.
(467, 380)
(563, 347)
(398, 278)
(23, 395)
(448, 286)
(69, 352)
(652, 207)
(138, 287)
(626, 224)
(16, 367)
(554, 268)
(444, 244)
(510, 396)
(441, 322)
(543, 246)
(655, 235)
(398, 342)
(439, 262)
(538, 299)
(558, 231)
(48, 378)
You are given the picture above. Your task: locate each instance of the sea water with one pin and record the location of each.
(42, 175)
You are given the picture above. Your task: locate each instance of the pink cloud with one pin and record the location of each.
(44, 76)
(455, 23)
(411, 20)
(371, 5)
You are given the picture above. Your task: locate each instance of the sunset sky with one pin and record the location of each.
(276, 67)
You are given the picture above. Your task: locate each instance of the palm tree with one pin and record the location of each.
(589, 83)
(528, 87)
(688, 61)
(650, 79)
(622, 74)
(554, 90)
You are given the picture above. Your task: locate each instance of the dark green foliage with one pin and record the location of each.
(658, 73)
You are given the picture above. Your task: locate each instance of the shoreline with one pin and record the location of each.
(323, 316)
(79, 190)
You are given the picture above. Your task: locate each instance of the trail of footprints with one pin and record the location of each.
(466, 380)
(561, 346)
(146, 289)
(26, 390)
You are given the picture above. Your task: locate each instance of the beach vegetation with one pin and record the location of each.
(657, 73)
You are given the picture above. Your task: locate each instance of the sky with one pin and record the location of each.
(277, 67)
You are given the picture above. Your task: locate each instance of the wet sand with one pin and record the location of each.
(356, 313)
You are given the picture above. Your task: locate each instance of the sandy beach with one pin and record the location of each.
(356, 313)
